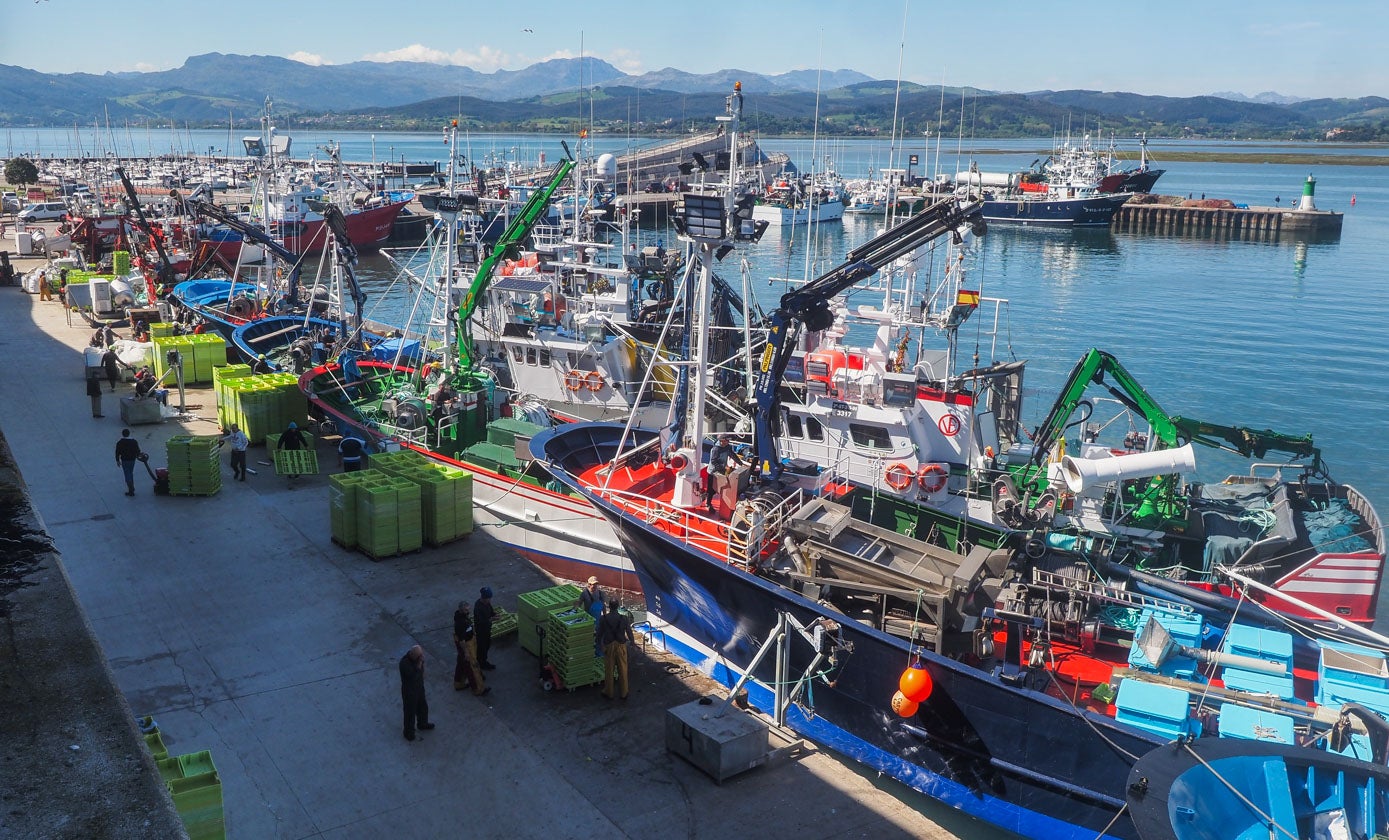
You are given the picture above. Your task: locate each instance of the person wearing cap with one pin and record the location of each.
(238, 442)
(262, 365)
(466, 673)
(719, 458)
(614, 632)
(483, 614)
(591, 598)
(292, 438)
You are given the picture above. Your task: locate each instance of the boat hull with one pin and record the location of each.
(1008, 755)
(777, 215)
(365, 228)
(1097, 211)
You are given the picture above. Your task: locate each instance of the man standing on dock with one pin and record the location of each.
(483, 614)
(238, 441)
(412, 692)
(127, 453)
(94, 391)
(614, 631)
(466, 673)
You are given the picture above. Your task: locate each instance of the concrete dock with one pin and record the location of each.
(237, 624)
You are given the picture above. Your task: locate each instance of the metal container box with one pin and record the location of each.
(720, 746)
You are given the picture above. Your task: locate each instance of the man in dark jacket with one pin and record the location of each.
(292, 439)
(614, 632)
(412, 692)
(94, 391)
(127, 453)
(112, 366)
(466, 673)
(483, 613)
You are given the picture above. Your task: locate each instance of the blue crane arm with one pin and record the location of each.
(521, 226)
(809, 307)
(252, 232)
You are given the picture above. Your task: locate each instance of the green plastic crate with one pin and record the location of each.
(197, 763)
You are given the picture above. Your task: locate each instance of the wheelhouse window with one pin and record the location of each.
(544, 358)
(813, 429)
(793, 426)
(530, 355)
(517, 355)
(869, 437)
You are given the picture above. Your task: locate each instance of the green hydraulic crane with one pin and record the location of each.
(507, 247)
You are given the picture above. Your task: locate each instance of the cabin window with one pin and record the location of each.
(870, 437)
(544, 358)
(530, 355)
(813, 429)
(793, 426)
(517, 354)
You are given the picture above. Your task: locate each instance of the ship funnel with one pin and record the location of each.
(1081, 473)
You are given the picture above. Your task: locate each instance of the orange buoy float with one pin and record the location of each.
(932, 477)
(899, 476)
(916, 684)
(902, 706)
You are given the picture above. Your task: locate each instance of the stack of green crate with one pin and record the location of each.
(342, 504)
(378, 533)
(262, 405)
(569, 647)
(198, 797)
(226, 400)
(209, 350)
(157, 330)
(120, 263)
(408, 515)
(446, 493)
(194, 465)
(533, 610)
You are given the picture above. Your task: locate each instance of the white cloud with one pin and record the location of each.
(626, 61)
(311, 59)
(484, 58)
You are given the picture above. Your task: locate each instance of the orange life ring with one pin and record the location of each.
(899, 476)
(573, 380)
(594, 380)
(932, 477)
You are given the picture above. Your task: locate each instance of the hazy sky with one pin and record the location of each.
(1176, 48)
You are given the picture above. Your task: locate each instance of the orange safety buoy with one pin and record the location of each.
(932, 477)
(595, 380)
(916, 684)
(904, 706)
(573, 380)
(899, 476)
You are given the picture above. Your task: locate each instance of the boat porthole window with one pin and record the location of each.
(813, 429)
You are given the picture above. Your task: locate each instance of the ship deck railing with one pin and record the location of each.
(704, 533)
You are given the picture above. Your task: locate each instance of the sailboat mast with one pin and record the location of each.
(451, 246)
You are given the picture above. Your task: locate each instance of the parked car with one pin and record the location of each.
(9, 202)
(43, 211)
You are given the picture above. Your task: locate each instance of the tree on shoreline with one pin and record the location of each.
(21, 172)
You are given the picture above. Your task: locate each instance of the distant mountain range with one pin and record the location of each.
(564, 94)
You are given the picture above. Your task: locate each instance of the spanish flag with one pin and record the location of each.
(965, 297)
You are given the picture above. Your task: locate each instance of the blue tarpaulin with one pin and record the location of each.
(404, 349)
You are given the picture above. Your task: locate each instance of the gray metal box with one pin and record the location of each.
(720, 746)
(135, 412)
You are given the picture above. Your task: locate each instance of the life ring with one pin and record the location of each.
(931, 478)
(573, 380)
(899, 476)
(594, 380)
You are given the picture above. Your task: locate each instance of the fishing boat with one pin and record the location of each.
(973, 665)
(986, 667)
(547, 334)
(1069, 199)
(792, 199)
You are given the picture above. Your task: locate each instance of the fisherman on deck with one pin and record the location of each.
(719, 458)
(262, 365)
